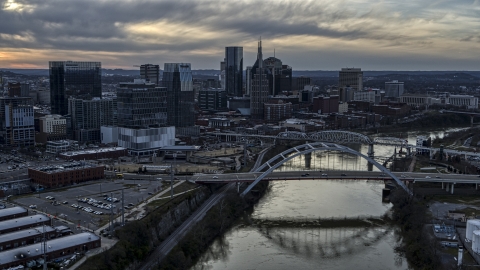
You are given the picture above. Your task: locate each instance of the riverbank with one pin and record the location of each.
(215, 223)
(417, 244)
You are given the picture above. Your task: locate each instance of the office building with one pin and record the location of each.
(141, 104)
(145, 141)
(299, 83)
(17, 121)
(16, 89)
(222, 75)
(277, 110)
(368, 96)
(87, 116)
(150, 73)
(177, 78)
(234, 71)
(469, 102)
(248, 81)
(212, 99)
(280, 78)
(351, 77)
(81, 80)
(260, 90)
(326, 104)
(394, 89)
(142, 117)
(52, 128)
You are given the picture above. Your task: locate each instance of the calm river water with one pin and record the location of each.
(277, 246)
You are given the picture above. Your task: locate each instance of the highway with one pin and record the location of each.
(336, 175)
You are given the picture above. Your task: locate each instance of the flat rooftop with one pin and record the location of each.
(70, 166)
(180, 148)
(12, 211)
(9, 256)
(23, 221)
(92, 151)
(25, 233)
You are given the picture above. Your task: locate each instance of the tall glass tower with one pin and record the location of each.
(177, 78)
(234, 71)
(82, 80)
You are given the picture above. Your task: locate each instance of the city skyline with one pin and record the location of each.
(308, 35)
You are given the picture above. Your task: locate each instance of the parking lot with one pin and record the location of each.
(135, 191)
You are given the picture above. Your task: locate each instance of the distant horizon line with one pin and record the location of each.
(450, 70)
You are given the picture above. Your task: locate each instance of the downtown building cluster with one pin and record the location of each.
(146, 114)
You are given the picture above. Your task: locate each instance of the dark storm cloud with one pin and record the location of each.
(87, 25)
(119, 26)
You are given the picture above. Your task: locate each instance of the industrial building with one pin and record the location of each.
(22, 223)
(65, 174)
(56, 248)
(27, 237)
(13, 212)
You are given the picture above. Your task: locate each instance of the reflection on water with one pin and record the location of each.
(250, 246)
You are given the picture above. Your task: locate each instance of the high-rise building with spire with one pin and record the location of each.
(260, 89)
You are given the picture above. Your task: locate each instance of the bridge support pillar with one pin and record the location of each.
(371, 154)
(238, 187)
(443, 185)
(409, 151)
(308, 160)
(453, 185)
(471, 120)
(448, 187)
(432, 153)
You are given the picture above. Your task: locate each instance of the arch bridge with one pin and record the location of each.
(293, 152)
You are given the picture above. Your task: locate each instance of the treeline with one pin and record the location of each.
(436, 120)
(417, 243)
(139, 238)
(217, 221)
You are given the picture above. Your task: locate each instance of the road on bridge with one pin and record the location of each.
(336, 175)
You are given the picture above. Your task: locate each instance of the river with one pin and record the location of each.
(285, 243)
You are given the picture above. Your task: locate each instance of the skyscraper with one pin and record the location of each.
(150, 73)
(234, 71)
(280, 79)
(260, 89)
(141, 104)
(177, 78)
(81, 80)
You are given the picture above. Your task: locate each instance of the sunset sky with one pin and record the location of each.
(307, 35)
